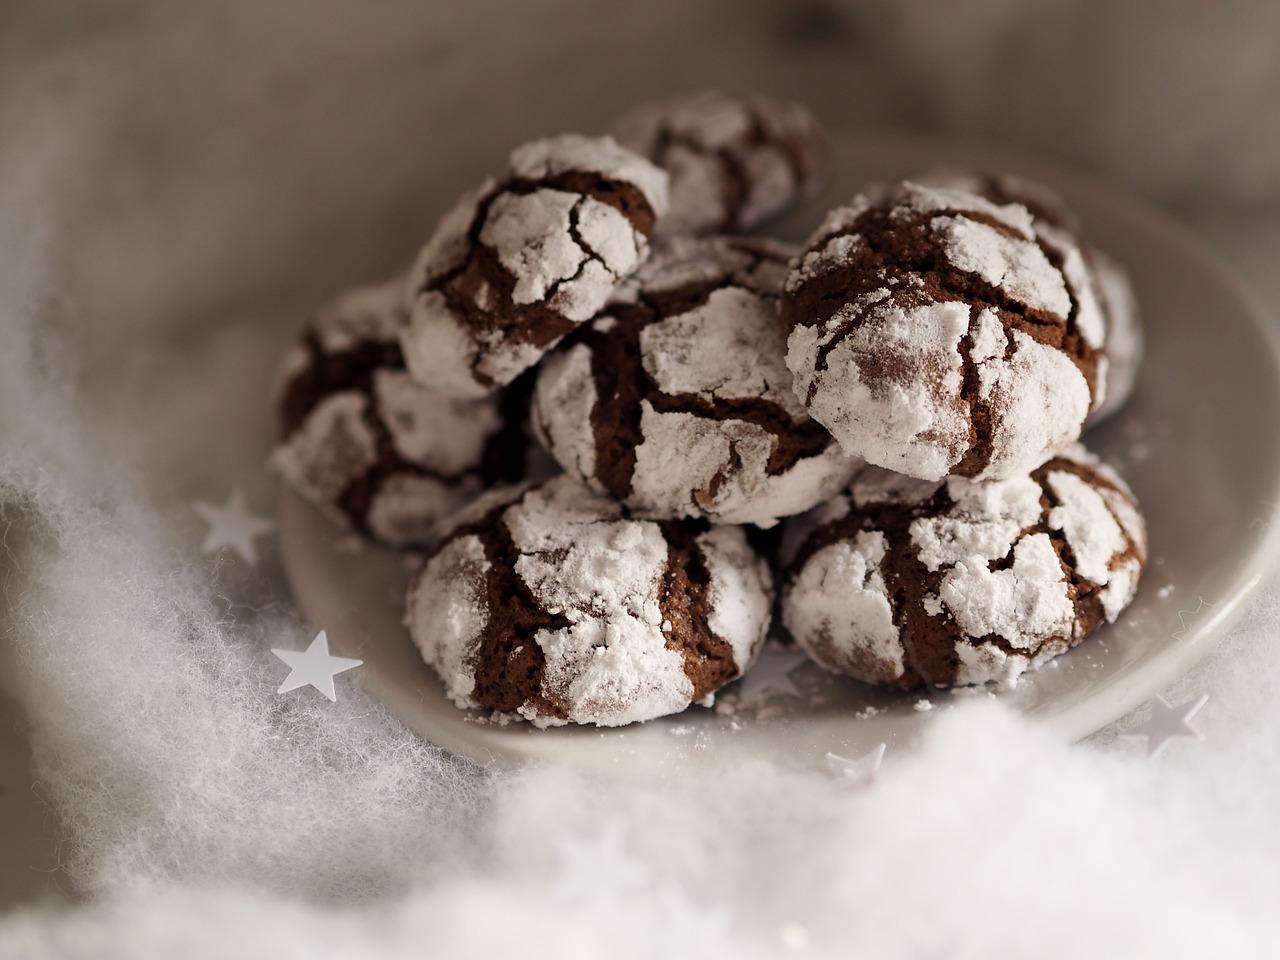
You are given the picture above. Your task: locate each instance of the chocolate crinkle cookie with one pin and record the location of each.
(910, 583)
(677, 400)
(734, 162)
(520, 262)
(1126, 343)
(373, 449)
(1103, 284)
(553, 604)
(936, 333)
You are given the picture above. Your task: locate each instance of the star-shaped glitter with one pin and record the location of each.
(771, 673)
(314, 667)
(1167, 723)
(861, 770)
(232, 526)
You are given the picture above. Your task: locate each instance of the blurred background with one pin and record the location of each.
(179, 182)
(209, 134)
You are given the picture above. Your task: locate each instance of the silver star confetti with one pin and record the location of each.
(232, 525)
(861, 770)
(314, 667)
(1167, 723)
(771, 673)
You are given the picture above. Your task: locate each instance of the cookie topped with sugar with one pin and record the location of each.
(553, 604)
(371, 448)
(909, 582)
(1101, 288)
(677, 401)
(935, 334)
(734, 162)
(520, 262)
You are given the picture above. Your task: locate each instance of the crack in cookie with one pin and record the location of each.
(553, 604)
(884, 311)
(734, 162)
(918, 583)
(677, 400)
(520, 262)
(373, 450)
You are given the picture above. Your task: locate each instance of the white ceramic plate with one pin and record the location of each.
(1198, 443)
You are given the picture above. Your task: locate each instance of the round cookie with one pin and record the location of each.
(935, 333)
(552, 604)
(370, 447)
(1107, 288)
(520, 262)
(734, 162)
(909, 583)
(1126, 345)
(1002, 189)
(677, 400)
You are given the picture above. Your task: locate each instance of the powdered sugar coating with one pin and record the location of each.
(678, 401)
(846, 615)
(1125, 342)
(740, 610)
(604, 157)
(1106, 308)
(454, 600)
(734, 162)
(908, 422)
(332, 449)
(370, 447)
(519, 262)
(606, 609)
(907, 582)
(935, 332)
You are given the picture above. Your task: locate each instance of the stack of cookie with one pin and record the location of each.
(591, 401)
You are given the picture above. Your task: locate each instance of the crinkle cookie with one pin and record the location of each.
(1126, 345)
(910, 582)
(520, 262)
(935, 333)
(677, 401)
(370, 447)
(1109, 289)
(734, 161)
(554, 605)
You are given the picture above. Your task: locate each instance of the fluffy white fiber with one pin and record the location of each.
(206, 817)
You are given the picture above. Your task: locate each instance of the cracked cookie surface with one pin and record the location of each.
(520, 262)
(734, 162)
(677, 400)
(935, 333)
(552, 604)
(1103, 285)
(909, 583)
(372, 449)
